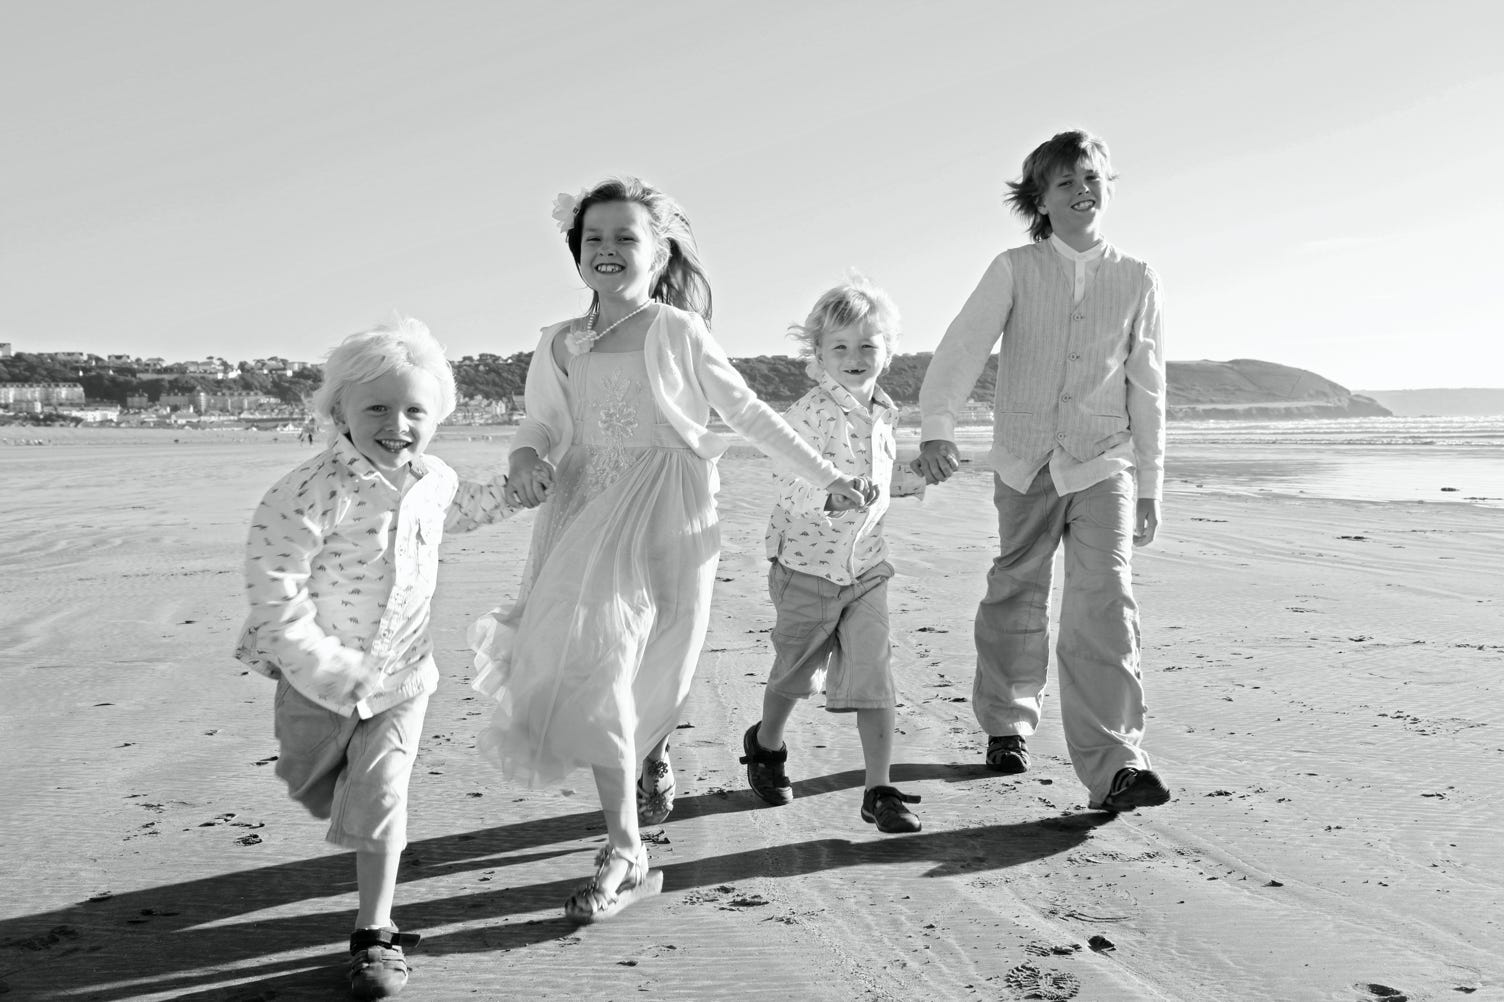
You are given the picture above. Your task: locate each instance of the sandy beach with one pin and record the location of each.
(1324, 688)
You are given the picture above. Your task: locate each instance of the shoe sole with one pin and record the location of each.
(650, 885)
(782, 795)
(871, 819)
(1132, 799)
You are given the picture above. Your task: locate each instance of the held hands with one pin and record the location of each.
(850, 493)
(1145, 521)
(350, 678)
(529, 478)
(938, 459)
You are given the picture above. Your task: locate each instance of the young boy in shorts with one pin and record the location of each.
(340, 570)
(829, 574)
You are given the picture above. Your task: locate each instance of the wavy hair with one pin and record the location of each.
(854, 301)
(680, 280)
(403, 344)
(1061, 151)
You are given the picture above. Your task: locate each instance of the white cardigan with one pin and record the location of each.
(688, 373)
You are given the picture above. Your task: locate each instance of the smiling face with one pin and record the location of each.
(392, 418)
(1075, 199)
(854, 356)
(618, 253)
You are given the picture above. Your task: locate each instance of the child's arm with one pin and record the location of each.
(286, 536)
(798, 496)
(958, 361)
(1145, 369)
(760, 425)
(476, 504)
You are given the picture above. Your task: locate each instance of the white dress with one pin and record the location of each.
(593, 664)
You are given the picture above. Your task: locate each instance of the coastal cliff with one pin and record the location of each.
(1245, 389)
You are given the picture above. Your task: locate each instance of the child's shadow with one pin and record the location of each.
(175, 937)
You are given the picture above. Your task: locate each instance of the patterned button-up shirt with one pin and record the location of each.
(340, 570)
(802, 535)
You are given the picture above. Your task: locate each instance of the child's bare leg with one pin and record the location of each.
(876, 730)
(776, 710)
(376, 879)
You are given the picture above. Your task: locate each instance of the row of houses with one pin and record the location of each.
(212, 367)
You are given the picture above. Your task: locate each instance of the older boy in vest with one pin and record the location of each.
(1078, 454)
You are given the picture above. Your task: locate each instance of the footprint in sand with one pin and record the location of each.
(1034, 983)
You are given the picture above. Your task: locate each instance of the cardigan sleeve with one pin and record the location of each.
(547, 427)
(749, 417)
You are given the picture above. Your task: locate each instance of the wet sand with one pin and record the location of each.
(1324, 683)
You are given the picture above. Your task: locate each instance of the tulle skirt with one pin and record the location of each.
(593, 663)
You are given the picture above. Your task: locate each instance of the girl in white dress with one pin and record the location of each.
(592, 665)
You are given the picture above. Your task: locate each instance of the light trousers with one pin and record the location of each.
(1097, 653)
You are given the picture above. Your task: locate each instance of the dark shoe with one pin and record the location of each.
(1007, 754)
(1131, 789)
(378, 967)
(765, 769)
(655, 791)
(884, 807)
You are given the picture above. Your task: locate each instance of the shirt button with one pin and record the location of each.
(1074, 356)
(1078, 316)
(1066, 397)
(1060, 436)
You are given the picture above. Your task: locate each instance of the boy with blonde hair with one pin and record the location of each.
(340, 569)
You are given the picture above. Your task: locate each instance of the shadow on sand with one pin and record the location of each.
(183, 938)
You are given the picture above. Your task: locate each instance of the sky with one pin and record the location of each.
(1313, 181)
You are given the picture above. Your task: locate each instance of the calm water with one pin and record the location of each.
(1370, 459)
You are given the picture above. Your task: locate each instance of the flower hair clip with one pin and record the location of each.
(566, 207)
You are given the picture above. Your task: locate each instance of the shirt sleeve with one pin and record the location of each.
(798, 496)
(477, 504)
(286, 536)
(962, 352)
(754, 420)
(1145, 370)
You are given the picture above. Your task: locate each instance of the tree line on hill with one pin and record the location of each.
(778, 379)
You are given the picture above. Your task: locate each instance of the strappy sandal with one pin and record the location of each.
(655, 798)
(1007, 754)
(884, 807)
(594, 902)
(1132, 789)
(378, 967)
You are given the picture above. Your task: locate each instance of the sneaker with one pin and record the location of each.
(884, 807)
(765, 769)
(378, 967)
(1131, 789)
(1007, 754)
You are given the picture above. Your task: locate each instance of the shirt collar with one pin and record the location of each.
(841, 394)
(361, 467)
(1070, 253)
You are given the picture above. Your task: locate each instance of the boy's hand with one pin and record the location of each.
(347, 681)
(847, 493)
(1145, 521)
(938, 459)
(529, 478)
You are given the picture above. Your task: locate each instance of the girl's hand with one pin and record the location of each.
(850, 492)
(529, 478)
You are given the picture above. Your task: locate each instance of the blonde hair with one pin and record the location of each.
(399, 346)
(854, 301)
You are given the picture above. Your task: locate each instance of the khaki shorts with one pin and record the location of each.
(352, 771)
(832, 637)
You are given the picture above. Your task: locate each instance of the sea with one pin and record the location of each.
(1446, 460)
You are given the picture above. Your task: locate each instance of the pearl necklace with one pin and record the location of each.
(582, 341)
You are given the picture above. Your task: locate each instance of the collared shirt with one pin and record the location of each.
(802, 535)
(340, 570)
(1131, 369)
